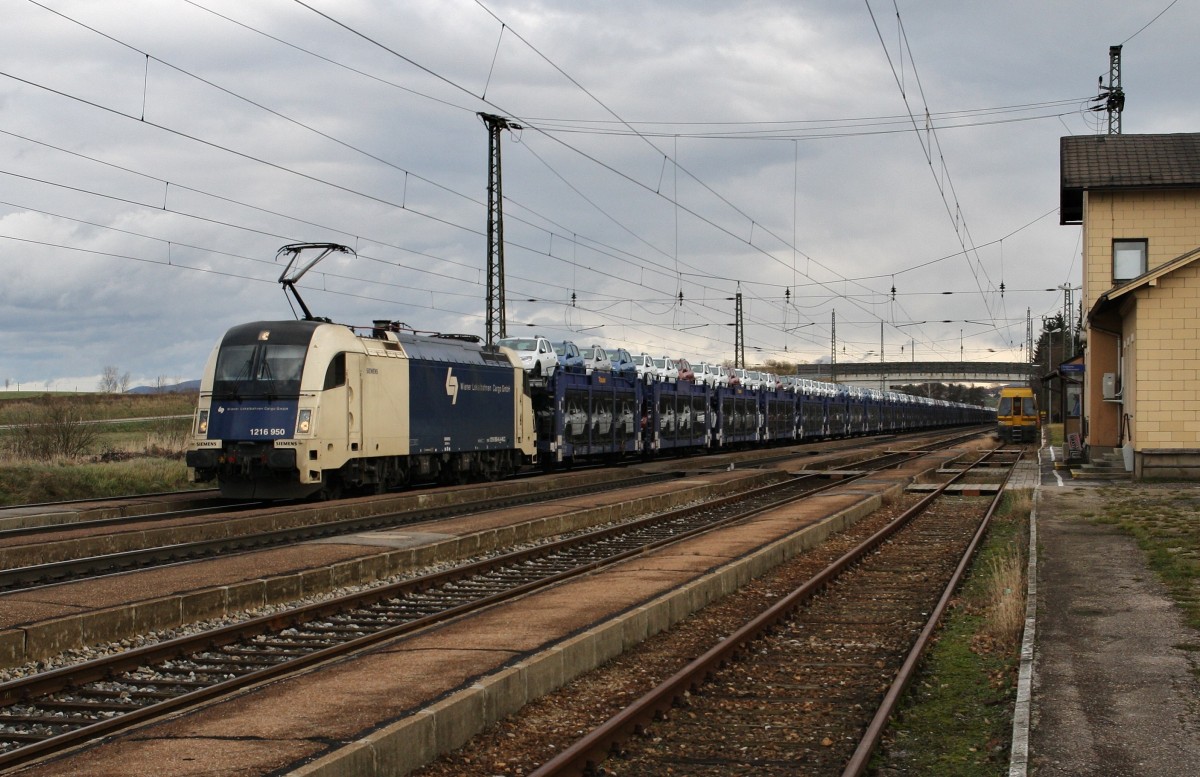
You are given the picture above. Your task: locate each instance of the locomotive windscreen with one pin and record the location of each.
(262, 360)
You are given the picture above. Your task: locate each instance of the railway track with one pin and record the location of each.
(66, 504)
(58, 709)
(807, 685)
(218, 505)
(65, 563)
(75, 569)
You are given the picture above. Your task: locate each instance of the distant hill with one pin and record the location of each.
(188, 386)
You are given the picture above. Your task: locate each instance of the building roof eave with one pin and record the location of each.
(1091, 163)
(1106, 302)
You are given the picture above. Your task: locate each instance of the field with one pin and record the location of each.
(75, 446)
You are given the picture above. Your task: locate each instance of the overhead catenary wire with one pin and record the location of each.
(401, 205)
(169, 128)
(927, 144)
(309, 52)
(754, 225)
(752, 222)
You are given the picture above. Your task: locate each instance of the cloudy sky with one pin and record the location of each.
(815, 155)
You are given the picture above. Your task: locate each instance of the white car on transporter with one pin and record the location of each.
(666, 369)
(536, 353)
(644, 364)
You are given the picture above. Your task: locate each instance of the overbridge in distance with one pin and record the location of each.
(877, 374)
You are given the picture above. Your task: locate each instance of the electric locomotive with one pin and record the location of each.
(290, 409)
(282, 409)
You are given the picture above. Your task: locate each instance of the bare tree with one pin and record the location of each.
(112, 381)
(54, 428)
(108, 379)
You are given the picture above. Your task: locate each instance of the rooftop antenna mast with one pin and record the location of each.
(293, 273)
(1112, 97)
(496, 327)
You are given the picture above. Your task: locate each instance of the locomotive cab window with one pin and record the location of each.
(335, 375)
(282, 363)
(235, 362)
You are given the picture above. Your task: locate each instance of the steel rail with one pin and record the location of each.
(585, 754)
(202, 492)
(91, 567)
(46, 683)
(858, 762)
(124, 520)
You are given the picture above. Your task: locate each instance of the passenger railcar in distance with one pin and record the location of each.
(289, 409)
(1017, 418)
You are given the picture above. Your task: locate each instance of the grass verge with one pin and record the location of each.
(15, 408)
(956, 717)
(30, 483)
(89, 446)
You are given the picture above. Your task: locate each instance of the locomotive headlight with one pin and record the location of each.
(202, 422)
(304, 421)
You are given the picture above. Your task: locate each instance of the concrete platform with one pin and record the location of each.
(1027, 475)
(956, 489)
(38, 624)
(830, 474)
(85, 540)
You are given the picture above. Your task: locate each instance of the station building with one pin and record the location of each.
(1137, 198)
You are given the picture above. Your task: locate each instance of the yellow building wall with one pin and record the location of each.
(1129, 369)
(1166, 410)
(1164, 407)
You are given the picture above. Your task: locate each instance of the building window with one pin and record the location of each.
(1129, 259)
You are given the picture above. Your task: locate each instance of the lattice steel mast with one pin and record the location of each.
(739, 332)
(1112, 97)
(833, 346)
(495, 325)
